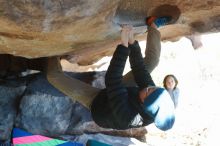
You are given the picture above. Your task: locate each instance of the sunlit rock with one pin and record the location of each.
(89, 29)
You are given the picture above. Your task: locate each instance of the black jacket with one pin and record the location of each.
(117, 106)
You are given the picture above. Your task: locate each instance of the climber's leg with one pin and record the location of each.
(153, 49)
(75, 89)
(152, 54)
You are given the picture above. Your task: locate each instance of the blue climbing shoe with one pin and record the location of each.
(159, 21)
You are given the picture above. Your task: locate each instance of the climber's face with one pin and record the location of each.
(145, 92)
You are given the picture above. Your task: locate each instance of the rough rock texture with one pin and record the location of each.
(89, 29)
(44, 110)
(112, 140)
(10, 94)
(94, 78)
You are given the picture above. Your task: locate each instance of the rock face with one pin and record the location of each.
(10, 96)
(34, 105)
(89, 29)
(44, 110)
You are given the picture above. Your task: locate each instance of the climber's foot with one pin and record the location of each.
(158, 21)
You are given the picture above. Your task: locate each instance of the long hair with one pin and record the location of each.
(165, 78)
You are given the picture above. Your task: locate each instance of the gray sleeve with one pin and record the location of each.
(176, 93)
(175, 96)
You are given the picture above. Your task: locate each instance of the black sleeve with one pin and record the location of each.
(116, 91)
(141, 74)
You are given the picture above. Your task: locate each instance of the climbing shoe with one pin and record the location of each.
(158, 21)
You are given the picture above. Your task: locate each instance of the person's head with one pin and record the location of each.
(170, 82)
(159, 106)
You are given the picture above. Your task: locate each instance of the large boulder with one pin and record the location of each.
(44, 110)
(89, 29)
(10, 94)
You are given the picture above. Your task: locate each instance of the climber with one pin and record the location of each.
(121, 107)
(151, 60)
(117, 106)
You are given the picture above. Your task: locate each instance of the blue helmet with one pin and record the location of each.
(160, 107)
